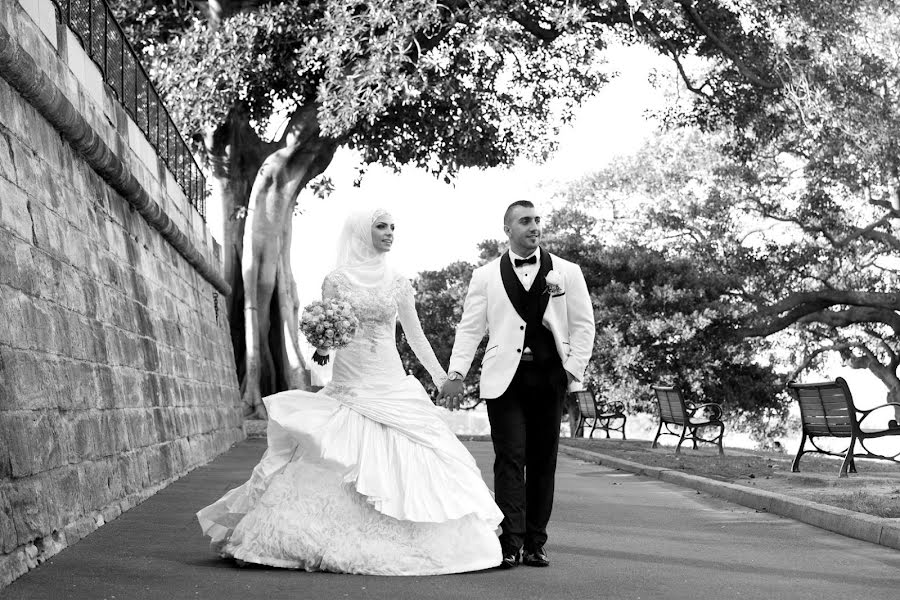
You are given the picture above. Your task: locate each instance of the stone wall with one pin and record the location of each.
(116, 369)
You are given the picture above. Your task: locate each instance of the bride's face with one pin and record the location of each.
(383, 233)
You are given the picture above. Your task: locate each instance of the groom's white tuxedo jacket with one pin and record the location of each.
(489, 307)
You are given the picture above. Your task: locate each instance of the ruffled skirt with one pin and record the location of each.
(359, 480)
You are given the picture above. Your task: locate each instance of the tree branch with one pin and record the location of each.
(784, 313)
(532, 26)
(673, 52)
(854, 316)
(694, 17)
(807, 360)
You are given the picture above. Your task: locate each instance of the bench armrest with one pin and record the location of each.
(868, 411)
(715, 410)
(611, 406)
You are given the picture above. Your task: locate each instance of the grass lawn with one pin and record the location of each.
(874, 490)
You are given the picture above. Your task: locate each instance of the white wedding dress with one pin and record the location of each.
(363, 476)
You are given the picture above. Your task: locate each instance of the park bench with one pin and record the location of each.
(608, 416)
(689, 417)
(827, 410)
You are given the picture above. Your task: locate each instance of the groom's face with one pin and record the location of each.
(523, 227)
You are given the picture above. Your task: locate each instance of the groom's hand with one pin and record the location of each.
(451, 394)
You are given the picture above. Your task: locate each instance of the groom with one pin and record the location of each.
(538, 312)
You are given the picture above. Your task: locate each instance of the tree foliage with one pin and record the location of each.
(802, 93)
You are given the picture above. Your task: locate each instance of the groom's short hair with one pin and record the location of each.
(509, 209)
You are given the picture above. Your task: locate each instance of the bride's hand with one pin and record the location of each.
(451, 394)
(321, 356)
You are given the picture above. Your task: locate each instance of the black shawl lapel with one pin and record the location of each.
(540, 282)
(513, 286)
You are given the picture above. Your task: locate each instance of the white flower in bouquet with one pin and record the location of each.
(329, 323)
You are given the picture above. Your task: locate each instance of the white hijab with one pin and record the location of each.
(357, 256)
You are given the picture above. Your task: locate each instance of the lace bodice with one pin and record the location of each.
(372, 357)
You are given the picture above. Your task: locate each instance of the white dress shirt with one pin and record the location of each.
(526, 273)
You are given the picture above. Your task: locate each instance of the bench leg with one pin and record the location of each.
(848, 459)
(684, 430)
(623, 427)
(719, 439)
(658, 432)
(593, 427)
(795, 466)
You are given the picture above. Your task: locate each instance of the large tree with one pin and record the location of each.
(442, 85)
(792, 178)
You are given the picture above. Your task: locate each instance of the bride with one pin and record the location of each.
(363, 476)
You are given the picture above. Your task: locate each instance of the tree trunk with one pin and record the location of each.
(256, 185)
(574, 414)
(270, 299)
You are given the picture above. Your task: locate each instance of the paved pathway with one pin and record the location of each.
(613, 535)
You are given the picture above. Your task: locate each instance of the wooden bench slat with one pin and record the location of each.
(816, 411)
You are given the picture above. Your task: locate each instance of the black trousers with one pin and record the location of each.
(525, 432)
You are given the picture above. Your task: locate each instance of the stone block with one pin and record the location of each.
(133, 472)
(30, 169)
(34, 441)
(173, 456)
(5, 461)
(24, 381)
(150, 354)
(17, 268)
(70, 287)
(27, 501)
(67, 490)
(97, 350)
(84, 387)
(79, 529)
(102, 483)
(7, 165)
(8, 538)
(12, 566)
(151, 390)
(140, 428)
(87, 435)
(114, 430)
(90, 296)
(107, 395)
(158, 468)
(55, 381)
(143, 320)
(14, 211)
(128, 387)
(164, 423)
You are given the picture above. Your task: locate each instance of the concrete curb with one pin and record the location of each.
(878, 530)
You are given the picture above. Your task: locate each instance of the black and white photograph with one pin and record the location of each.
(402, 299)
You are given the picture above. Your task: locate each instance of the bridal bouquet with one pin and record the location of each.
(329, 323)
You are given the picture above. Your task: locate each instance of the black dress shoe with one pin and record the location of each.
(892, 424)
(536, 558)
(510, 560)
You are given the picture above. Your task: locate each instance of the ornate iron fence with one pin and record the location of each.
(102, 37)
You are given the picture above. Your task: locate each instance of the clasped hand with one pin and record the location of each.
(451, 394)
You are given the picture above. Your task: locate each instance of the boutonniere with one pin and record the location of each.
(554, 283)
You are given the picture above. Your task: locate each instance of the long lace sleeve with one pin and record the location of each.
(412, 327)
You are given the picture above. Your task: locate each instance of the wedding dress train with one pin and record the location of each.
(363, 476)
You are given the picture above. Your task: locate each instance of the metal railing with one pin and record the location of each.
(102, 37)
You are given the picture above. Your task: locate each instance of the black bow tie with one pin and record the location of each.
(531, 260)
